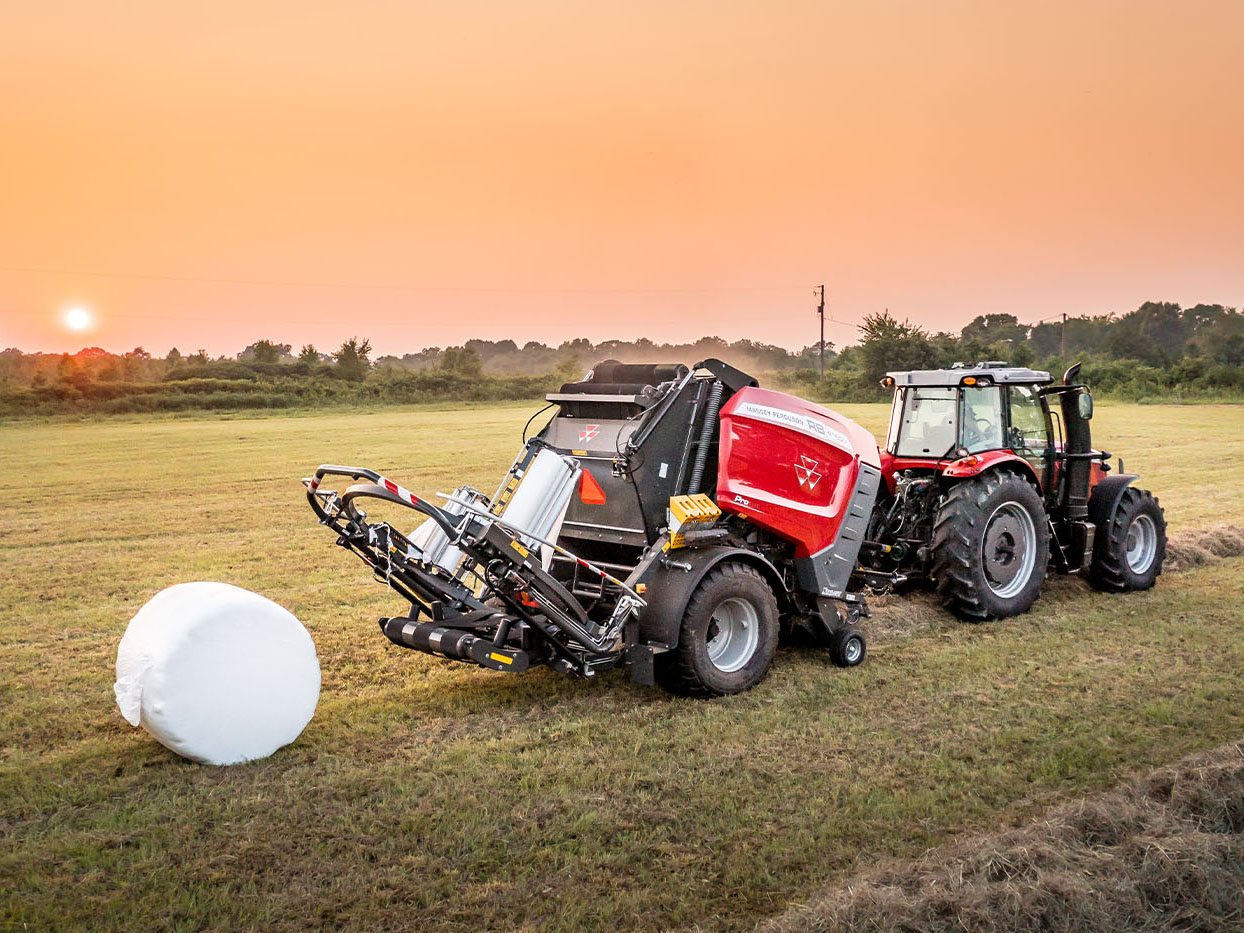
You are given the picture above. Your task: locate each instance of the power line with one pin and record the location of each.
(383, 286)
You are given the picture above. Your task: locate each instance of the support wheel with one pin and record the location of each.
(991, 547)
(1130, 550)
(846, 647)
(728, 638)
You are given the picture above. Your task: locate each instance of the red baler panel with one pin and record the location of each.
(789, 466)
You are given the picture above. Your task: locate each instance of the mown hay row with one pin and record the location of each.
(1195, 548)
(1165, 851)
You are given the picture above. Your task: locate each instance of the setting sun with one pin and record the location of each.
(79, 319)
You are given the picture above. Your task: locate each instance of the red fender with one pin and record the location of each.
(976, 464)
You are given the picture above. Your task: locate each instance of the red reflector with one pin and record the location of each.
(589, 490)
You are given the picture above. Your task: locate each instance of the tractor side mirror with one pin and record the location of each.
(1084, 405)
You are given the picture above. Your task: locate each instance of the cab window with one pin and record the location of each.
(982, 419)
(927, 428)
(1029, 434)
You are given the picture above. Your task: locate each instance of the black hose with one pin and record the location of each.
(534, 417)
(706, 436)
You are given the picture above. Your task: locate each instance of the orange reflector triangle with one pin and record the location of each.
(589, 490)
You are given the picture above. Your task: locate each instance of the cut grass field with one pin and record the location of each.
(429, 794)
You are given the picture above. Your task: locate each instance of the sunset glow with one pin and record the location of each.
(225, 172)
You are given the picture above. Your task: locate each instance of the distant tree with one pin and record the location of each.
(995, 328)
(353, 359)
(889, 344)
(67, 368)
(710, 346)
(265, 351)
(568, 367)
(309, 355)
(134, 364)
(462, 361)
(1044, 338)
(1231, 350)
(486, 349)
(174, 357)
(1154, 333)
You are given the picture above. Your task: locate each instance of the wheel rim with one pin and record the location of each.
(1009, 549)
(1142, 543)
(852, 650)
(733, 634)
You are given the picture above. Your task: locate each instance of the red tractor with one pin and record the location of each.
(991, 477)
(676, 520)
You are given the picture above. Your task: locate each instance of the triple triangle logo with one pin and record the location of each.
(806, 473)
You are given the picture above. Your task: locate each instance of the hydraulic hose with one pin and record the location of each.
(706, 436)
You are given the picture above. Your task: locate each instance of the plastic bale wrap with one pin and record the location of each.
(216, 673)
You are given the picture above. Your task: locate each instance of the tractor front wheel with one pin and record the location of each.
(728, 638)
(1129, 551)
(991, 546)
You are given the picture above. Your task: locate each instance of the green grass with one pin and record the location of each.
(431, 794)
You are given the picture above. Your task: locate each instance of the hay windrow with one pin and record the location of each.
(1197, 547)
(1164, 851)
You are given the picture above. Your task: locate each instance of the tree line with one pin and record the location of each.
(1159, 351)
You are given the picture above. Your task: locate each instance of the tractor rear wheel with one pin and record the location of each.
(991, 547)
(728, 638)
(1130, 550)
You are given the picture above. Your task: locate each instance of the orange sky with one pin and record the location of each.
(424, 173)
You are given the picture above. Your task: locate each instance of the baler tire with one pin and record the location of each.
(688, 669)
(958, 545)
(847, 647)
(1112, 570)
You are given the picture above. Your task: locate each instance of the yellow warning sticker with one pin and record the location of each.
(501, 658)
(518, 547)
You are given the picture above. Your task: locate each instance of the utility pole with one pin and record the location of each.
(1062, 339)
(820, 310)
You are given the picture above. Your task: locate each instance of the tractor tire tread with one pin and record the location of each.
(954, 545)
(1109, 570)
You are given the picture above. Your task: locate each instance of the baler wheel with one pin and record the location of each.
(991, 547)
(1130, 550)
(728, 637)
(846, 647)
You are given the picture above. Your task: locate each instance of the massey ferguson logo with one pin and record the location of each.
(589, 433)
(805, 472)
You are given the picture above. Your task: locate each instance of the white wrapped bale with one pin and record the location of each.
(216, 673)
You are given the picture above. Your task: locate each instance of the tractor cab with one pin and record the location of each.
(948, 414)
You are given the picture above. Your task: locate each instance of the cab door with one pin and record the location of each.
(1028, 430)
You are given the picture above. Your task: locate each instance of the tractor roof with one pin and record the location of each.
(984, 373)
